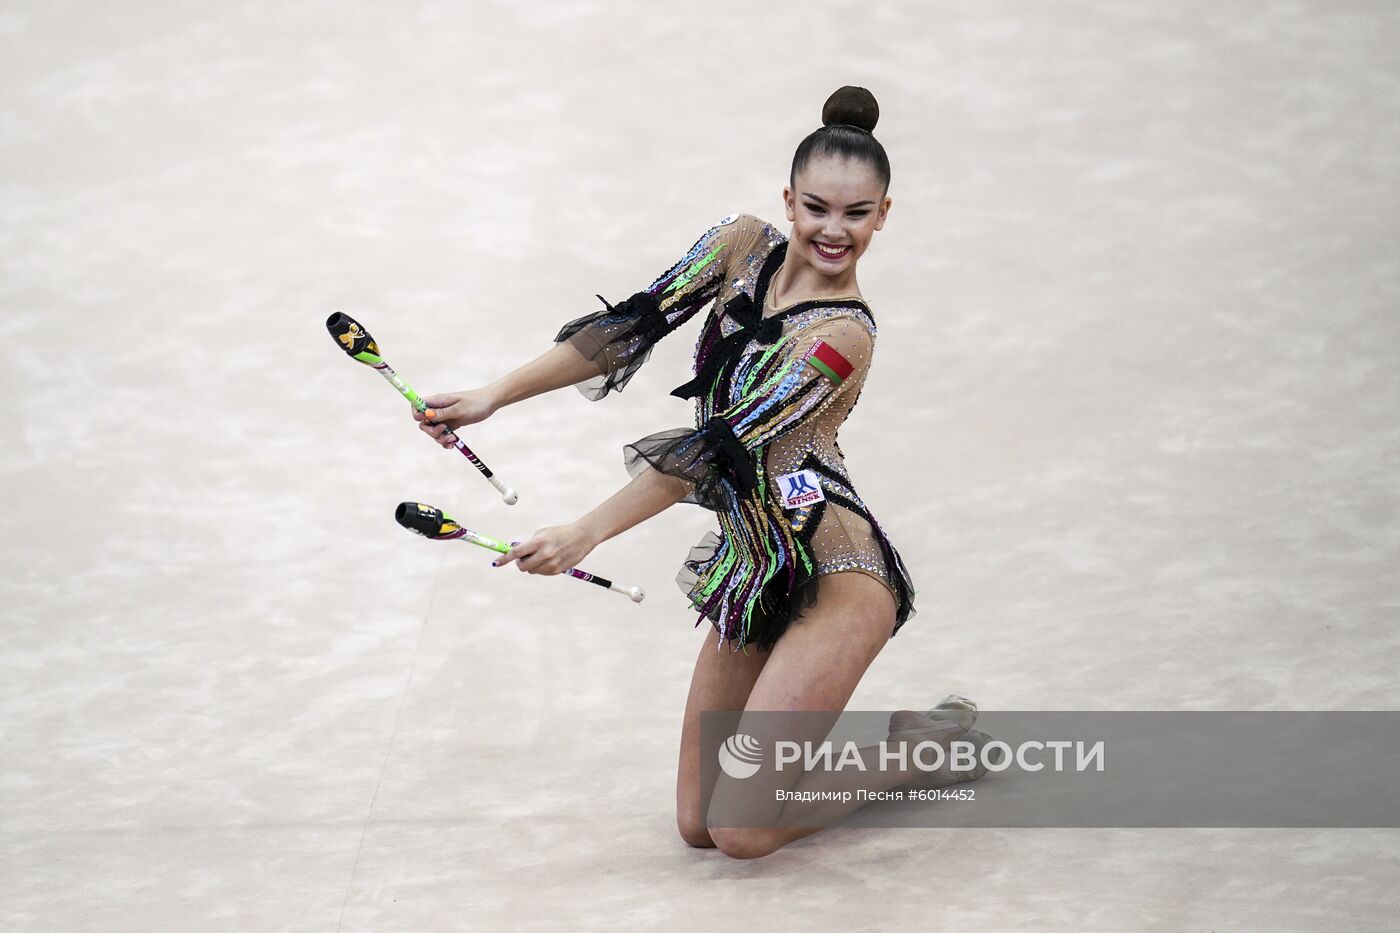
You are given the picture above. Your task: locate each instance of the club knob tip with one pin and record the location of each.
(637, 594)
(350, 335)
(419, 518)
(511, 497)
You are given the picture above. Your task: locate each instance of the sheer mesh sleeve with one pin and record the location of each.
(791, 384)
(620, 337)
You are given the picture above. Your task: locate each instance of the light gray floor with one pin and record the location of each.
(1132, 424)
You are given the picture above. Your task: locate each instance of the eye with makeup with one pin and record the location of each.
(818, 210)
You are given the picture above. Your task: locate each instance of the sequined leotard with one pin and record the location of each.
(772, 386)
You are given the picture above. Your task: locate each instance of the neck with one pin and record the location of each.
(798, 280)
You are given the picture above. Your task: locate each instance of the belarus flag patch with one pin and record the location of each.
(829, 362)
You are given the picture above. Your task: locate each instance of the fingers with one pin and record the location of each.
(435, 419)
(439, 401)
(530, 555)
(537, 555)
(439, 433)
(431, 420)
(437, 408)
(517, 552)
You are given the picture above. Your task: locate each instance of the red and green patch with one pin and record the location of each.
(829, 362)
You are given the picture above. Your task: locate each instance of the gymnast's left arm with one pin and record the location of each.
(554, 550)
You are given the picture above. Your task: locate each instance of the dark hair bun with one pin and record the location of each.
(853, 105)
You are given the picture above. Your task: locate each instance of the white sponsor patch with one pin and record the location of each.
(799, 489)
(728, 220)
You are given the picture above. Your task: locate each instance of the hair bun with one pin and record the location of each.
(853, 105)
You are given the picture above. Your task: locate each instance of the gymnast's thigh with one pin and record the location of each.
(722, 680)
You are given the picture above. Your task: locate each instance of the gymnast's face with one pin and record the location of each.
(836, 208)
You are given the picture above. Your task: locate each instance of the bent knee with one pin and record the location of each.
(695, 834)
(741, 843)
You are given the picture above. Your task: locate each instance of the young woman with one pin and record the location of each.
(800, 581)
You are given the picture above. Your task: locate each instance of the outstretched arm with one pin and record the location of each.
(599, 353)
(554, 550)
(555, 368)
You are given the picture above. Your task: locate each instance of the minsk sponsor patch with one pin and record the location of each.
(799, 489)
(830, 363)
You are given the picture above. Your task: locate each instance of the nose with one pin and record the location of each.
(831, 230)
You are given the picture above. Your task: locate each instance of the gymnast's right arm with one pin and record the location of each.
(600, 352)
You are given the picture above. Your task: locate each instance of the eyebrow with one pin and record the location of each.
(808, 194)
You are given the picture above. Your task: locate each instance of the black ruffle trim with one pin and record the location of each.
(619, 339)
(711, 458)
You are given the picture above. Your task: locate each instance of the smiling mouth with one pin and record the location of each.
(827, 252)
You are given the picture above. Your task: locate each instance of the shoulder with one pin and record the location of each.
(847, 332)
(747, 229)
(736, 229)
(736, 238)
(739, 221)
(851, 321)
(763, 232)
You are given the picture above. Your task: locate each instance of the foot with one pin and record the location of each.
(954, 708)
(912, 727)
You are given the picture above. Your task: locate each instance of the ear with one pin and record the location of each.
(882, 214)
(789, 203)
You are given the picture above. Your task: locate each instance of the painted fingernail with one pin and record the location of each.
(429, 413)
